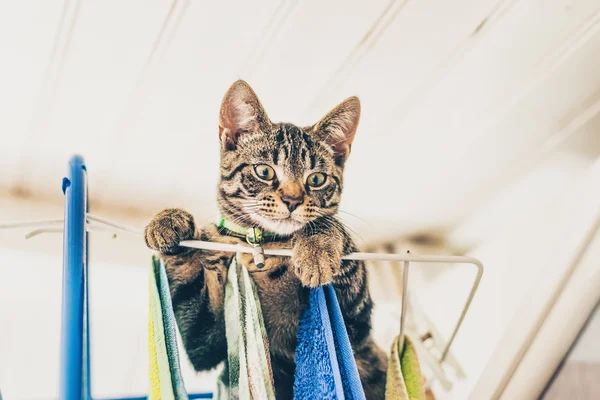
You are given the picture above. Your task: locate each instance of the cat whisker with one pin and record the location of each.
(340, 221)
(357, 217)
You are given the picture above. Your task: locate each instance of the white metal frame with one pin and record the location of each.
(100, 224)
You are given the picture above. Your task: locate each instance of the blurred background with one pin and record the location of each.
(484, 115)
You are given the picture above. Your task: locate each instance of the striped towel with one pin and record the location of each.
(247, 373)
(165, 373)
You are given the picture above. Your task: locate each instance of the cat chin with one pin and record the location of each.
(283, 228)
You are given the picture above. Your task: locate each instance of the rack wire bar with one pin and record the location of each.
(75, 358)
(404, 305)
(198, 244)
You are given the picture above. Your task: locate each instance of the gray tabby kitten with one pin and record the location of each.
(288, 181)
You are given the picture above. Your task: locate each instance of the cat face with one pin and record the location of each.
(276, 175)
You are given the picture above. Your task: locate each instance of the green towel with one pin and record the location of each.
(247, 373)
(165, 374)
(404, 379)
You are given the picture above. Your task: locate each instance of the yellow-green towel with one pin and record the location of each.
(164, 370)
(404, 379)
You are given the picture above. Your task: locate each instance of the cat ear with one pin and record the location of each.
(338, 127)
(241, 112)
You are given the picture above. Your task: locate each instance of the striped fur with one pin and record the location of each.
(197, 277)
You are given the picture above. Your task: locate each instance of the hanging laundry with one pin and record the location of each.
(165, 372)
(247, 373)
(325, 365)
(404, 378)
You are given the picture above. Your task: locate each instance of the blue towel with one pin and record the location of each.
(325, 365)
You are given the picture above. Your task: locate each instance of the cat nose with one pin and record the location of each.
(292, 202)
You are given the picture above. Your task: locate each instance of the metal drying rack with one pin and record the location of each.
(75, 354)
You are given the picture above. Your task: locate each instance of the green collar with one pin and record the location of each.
(253, 235)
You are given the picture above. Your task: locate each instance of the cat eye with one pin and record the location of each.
(265, 172)
(316, 179)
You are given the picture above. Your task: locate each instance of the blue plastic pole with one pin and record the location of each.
(74, 369)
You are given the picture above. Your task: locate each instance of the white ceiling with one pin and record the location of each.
(460, 99)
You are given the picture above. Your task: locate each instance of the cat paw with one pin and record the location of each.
(167, 229)
(316, 260)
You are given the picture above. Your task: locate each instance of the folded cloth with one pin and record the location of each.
(165, 372)
(325, 365)
(247, 373)
(404, 379)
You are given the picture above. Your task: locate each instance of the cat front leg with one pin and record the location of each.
(317, 259)
(196, 280)
(317, 253)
